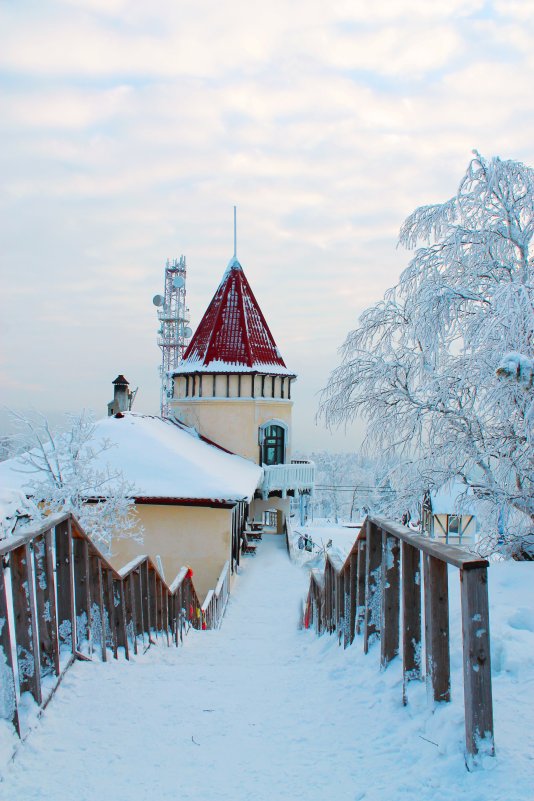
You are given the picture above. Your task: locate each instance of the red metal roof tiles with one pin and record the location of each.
(233, 331)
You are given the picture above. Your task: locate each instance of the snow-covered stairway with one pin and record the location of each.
(256, 710)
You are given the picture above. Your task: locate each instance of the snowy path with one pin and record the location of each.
(257, 711)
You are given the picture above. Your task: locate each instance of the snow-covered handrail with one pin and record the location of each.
(296, 476)
(215, 602)
(363, 595)
(61, 599)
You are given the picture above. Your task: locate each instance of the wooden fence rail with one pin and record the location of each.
(60, 599)
(378, 592)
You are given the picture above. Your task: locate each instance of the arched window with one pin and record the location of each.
(273, 444)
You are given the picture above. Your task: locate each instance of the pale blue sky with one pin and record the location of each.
(130, 129)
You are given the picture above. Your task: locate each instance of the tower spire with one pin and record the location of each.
(235, 232)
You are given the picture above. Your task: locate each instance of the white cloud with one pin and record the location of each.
(130, 129)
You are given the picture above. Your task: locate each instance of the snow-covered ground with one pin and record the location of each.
(325, 537)
(260, 710)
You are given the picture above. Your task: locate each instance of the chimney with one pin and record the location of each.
(122, 396)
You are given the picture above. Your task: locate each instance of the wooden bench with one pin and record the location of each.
(246, 547)
(252, 535)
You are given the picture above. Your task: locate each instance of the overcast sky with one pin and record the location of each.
(129, 129)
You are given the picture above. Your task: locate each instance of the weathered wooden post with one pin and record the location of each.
(146, 600)
(66, 617)
(477, 662)
(10, 708)
(130, 612)
(98, 610)
(340, 600)
(390, 606)
(165, 611)
(372, 584)
(361, 572)
(25, 615)
(121, 634)
(153, 598)
(411, 615)
(437, 627)
(82, 590)
(109, 603)
(45, 596)
(353, 577)
(139, 625)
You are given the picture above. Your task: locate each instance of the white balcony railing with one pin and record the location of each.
(299, 476)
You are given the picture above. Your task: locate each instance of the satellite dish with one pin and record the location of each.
(187, 332)
(178, 282)
(158, 300)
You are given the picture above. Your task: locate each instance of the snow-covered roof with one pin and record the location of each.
(445, 500)
(163, 459)
(233, 335)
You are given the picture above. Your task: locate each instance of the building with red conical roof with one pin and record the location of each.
(234, 387)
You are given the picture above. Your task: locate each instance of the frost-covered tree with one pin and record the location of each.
(345, 484)
(62, 476)
(421, 367)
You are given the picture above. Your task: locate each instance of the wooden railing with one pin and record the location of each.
(212, 609)
(60, 599)
(362, 595)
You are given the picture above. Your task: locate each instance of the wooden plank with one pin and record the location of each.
(65, 586)
(330, 596)
(437, 627)
(172, 616)
(145, 589)
(121, 635)
(159, 586)
(153, 599)
(353, 578)
(82, 594)
(45, 598)
(179, 612)
(361, 572)
(411, 615)
(373, 559)
(130, 613)
(452, 554)
(15, 542)
(109, 603)
(25, 619)
(138, 593)
(98, 611)
(477, 662)
(165, 611)
(390, 599)
(10, 707)
(339, 585)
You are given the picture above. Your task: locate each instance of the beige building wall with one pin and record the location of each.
(273, 504)
(181, 535)
(234, 423)
(468, 525)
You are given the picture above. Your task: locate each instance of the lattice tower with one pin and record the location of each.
(174, 332)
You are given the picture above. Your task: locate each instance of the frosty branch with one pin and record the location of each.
(424, 366)
(62, 476)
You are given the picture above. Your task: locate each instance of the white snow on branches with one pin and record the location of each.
(62, 471)
(421, 367)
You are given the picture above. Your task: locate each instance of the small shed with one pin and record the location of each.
(446, 513)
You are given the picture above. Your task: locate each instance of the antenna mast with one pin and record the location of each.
(174, 331)
(235, 232)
